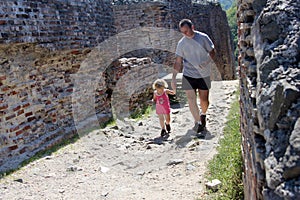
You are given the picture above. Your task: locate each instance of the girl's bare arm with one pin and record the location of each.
(154, 96)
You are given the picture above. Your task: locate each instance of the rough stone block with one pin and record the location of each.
(213, 185)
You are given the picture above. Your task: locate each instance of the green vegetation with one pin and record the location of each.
(226, 165)
(141, 113)
(110, 122)
(232, 22)
(226, 4)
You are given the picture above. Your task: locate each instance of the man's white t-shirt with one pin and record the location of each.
(195, 54)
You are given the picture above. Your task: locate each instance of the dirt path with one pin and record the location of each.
(129, 162)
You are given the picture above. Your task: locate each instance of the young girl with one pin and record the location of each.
(163, 109)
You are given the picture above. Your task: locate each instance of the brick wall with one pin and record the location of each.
(35, 99)
(56, 24)
(269, 85)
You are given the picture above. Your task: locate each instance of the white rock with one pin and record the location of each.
(213, 185)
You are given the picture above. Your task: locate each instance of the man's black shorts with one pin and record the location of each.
(189, 83)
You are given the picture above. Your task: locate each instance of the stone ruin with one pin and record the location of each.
(269, 71)
(62, 63)
(49, 48)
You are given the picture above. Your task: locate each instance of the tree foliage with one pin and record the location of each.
(226, 4)
(232, 21)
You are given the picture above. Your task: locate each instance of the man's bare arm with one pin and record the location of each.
(177, 68)
(212, 54)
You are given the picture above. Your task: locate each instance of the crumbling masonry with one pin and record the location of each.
(269, 69)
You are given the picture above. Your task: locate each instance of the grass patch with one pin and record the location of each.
(110, 122)
(142, 113)
(227, 165)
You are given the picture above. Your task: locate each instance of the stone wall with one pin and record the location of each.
(60, 62)
(35, 99)
(269, 40)
(207, 17)
(56, 24)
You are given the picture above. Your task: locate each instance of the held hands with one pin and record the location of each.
(171, 92)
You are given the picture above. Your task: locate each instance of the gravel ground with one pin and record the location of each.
(129, 161)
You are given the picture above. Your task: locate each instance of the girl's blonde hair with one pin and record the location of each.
(159, 83)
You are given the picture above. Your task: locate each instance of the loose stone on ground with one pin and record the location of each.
(129, 163)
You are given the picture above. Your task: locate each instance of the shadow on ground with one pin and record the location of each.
(182, 141)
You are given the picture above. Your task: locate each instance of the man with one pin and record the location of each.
(193, 56)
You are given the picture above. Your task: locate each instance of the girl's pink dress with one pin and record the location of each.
(162, 103)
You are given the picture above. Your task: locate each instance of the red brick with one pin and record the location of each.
(10, 117)
(32, 77)
(23, 150)
(26, 105)
(28, 114)
(20, 112)
(19, 132)
(76, 66)
(75, 52)
(13, 93)
(2, 113)
(14, 128)
(29, 119)
(69, 90)
(13, 147)
(26, 128)
(17, 108)
(5, 88)
(3, 107)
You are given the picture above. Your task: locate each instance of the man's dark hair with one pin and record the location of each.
(186, 22)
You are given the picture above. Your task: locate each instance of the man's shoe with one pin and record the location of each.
(198, 127)
(195, 128)
(201, 135)
(203, 120)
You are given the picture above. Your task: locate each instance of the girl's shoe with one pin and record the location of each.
(163, 133)
(203, 120)
(168, 128)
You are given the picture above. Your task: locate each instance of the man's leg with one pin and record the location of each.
(204, 103)
(204, 100)
(192, 100)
